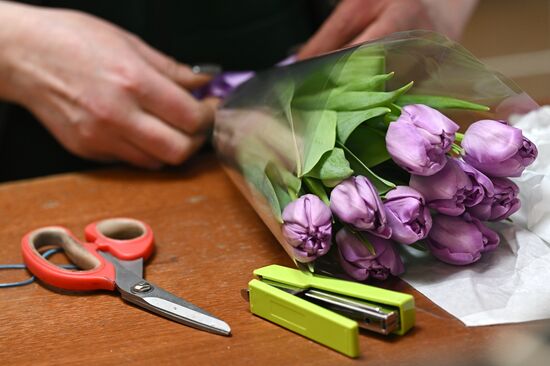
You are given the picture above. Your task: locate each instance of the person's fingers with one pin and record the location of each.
(377, 29)
(116, 149)
(160, 140)
(391, 20)
(166, 100)
(212, 104)
(125, 151)
(343, 25)
(178, 72)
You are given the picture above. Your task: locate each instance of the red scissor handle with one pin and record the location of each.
(124, 238)
(97, 273)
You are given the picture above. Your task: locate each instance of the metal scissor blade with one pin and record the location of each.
(183, 312)
(135, 266)
(136, 290)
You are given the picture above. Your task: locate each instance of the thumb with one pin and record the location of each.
(210, 105)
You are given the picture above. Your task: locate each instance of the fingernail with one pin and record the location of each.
(208, 69)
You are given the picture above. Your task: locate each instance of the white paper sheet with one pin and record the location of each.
(511, 284)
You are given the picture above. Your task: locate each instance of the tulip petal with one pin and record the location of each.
(491, 142)
(307, 227)
(407, 215)
(447, 256)
(408, 149)
(445, 190)
(430, 119)
(458, 240)
(356, 202)
(505, 201)
(491, 240)
(358, 262)
(497, 149)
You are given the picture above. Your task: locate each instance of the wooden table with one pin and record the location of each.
(208, 242)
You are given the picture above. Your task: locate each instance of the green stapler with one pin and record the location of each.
(327, 310)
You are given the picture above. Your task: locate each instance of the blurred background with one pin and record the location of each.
(513, 37)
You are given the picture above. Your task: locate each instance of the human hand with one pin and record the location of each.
(357, 21)
(102, 92)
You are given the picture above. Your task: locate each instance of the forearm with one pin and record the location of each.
(15, 19)
(450, 16)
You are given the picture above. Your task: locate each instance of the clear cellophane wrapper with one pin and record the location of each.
(259, 124)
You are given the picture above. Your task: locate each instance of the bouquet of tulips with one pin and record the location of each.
(352, 155)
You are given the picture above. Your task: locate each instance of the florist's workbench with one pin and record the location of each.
(208, 242)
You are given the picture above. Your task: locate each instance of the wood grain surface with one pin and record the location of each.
(209, 240)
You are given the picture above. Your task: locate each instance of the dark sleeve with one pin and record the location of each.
(28, 150)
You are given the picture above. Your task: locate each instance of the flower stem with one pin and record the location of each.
(459, 137)
(419, 245)
(457, 149)
(317, 189)
(292, 194)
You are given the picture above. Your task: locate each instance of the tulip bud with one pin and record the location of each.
(359, 263)
(501, 205)
(460, 240)
(420, 138)
(408, 216)
(482, 186)
(356, 202)
(308, 227)
(446, 190)
(497, 149)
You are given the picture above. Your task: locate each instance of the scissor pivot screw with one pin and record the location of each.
(142, 287)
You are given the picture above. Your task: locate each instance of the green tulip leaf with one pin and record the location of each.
(319, 100)
(285, 93)
(361, 64)
(369, 145)
(280, 176)
(395, 109)
(348, 121)
(363, 69)
(259, 181)
(360, 100)
(332, 168)
(373, 83)
(382, 185)
(313, 102)
(285, 194)
(318, 132)
(292, 183)
(439, 102)
(317, 188)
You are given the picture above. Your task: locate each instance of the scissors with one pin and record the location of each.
(112, 258)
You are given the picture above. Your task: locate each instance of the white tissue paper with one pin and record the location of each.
(511, 284)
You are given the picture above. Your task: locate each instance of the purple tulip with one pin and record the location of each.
(360, 263)
(356, 202)
(446, 190)
(482, 186)
(420, 138)
(408, 216)
(497, 149)
(308, 227)
(460, 240)
(501, 205)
